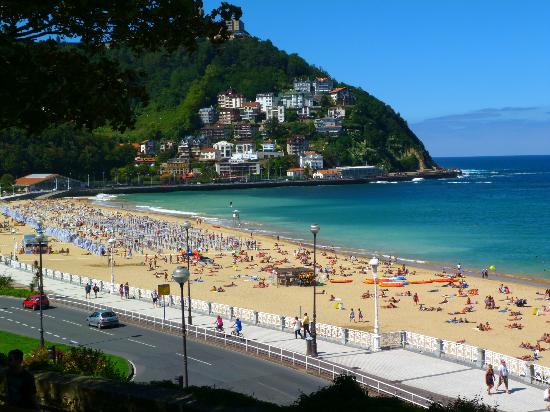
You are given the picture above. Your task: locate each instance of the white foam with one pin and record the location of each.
(457, 183)
(103, 197)
(167, 211)
(417, 179)
(487, 183)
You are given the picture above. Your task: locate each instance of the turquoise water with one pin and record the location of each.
(498, 214)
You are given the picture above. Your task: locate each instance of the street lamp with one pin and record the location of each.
(112, 246)
(187, 226)
(314, 229)
(41, 238)
(374, 264)
(14, 244)
(181, 275)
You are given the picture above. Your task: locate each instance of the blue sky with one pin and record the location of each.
(428, 59)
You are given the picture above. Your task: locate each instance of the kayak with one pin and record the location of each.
(391, 284)
(445, 280)
(341, 280)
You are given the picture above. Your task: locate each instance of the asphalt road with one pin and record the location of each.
(157, 356)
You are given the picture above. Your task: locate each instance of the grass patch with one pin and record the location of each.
(15, 292)
(9, 341)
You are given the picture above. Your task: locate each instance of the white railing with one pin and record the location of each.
(329, 331)
(422, 342)
(221, 309)
(199, 305)
(460, 351)
(320, 366)
(269, 319)
(542, 374)
(360, 338)
(244, 314)
(516, 366)
(391, 339)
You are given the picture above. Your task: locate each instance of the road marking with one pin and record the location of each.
(105, 333)
(57, 336)
(72, 323)
(73, 342)
(141, 343)
(48, 316)
(195, 359)
(49, 333)
(5, 310)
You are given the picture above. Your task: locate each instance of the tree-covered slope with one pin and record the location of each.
(179, 84)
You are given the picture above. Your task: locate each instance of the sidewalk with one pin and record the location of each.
(399, 366)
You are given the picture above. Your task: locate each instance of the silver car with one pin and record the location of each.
(102, 318)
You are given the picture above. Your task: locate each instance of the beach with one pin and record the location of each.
(240, 274)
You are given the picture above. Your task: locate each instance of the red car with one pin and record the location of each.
(33, 302)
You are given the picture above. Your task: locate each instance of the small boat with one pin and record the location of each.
(445, 280)
(391, 284)
(217, 227)
(420, 282)
(341, 280)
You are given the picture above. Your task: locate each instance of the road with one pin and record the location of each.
(158, 356)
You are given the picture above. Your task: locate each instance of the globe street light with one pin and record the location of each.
(180, 275)
(314, 229)
(112, 246)
(374, 264)
(41, 238)
(187, 226)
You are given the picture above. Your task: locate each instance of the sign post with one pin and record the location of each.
(163, 291)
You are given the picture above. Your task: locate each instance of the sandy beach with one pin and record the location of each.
(267, 252)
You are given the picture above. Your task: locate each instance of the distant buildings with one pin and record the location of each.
(359, 172)
(322, 85)
(215, 132)
(296, 100)
(225, 149)
(267, 101)
(328, 125)
(341, 95)
(296, 173)
(209, 154)
(175, 167)
(229, 116)
(337, 112)
(208, 115)
(236, 28)
(326, 174)
(250, 111)
(230, 99)
(296, 145)
(47, 181)
(147, 147)
(237, 168)
(302, 85)
(311, 160)
(276, 113)
(245, 131)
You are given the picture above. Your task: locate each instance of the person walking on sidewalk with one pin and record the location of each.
(503, 375)
(297, 327)
(95, 289)
(154, 296)
(127, 290)
(121, 290)
(305, 325)
(87, 289)
(490, 378)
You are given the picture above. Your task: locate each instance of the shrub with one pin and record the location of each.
(6, 282)
(463, 405)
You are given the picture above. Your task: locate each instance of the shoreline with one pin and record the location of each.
(423, 264)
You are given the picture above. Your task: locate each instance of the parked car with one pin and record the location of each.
(33, 302)
(102, 318)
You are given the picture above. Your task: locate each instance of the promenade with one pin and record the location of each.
(422, 372)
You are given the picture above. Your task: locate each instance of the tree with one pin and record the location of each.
(45, 82)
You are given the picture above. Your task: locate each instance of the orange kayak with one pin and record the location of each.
(420, 282)
(341, 280)
(391, 285)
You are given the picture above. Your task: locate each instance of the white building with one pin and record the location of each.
(322, 85)
(337, 112)
(147, 147)
(327, 174)
(276, 113)
(296, 172)
(296, 100)
(250, 111)
(225, 148)
(302, 85)
(311, 160)
(268, 146)
(230, 99)
(209, 154)
(208, 115)
(267, 101)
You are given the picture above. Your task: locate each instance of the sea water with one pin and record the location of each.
(497, 213)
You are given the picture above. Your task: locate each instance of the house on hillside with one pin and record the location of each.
(322, 85)
(250, 111)
(215, 132)
(225, 149)
(229, 116)
(296, 172)
(245, 131)
(267, 101)
(208, 115)
(337, 112)
(328, 125)
(230, 99)
(209, 154)
(147, 147)
(276, 113)
(296, 145)
(311, 160)
(341, 95)
(302, 85)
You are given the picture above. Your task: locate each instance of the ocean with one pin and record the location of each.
(497, 213)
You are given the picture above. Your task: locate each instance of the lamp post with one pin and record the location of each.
(187, 226)
(112, 246)
(314, 229)
(180, 275)
(41, 238)
(376, 344)
(14, 244)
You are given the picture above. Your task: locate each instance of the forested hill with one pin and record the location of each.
(180, 84)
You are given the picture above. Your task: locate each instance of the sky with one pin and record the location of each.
(433, 61)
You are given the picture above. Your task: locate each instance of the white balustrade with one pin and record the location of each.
(516, 366)
(390, 339)
(244, 314)
(221, 309)
(460, 351)
(198, 305)
(360, 338)
(329, 331)
(422, 342)
(267, 318)
(542, 374)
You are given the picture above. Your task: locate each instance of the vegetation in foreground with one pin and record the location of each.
(7, 288)
(70, 359)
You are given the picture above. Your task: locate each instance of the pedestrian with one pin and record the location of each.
(154, 296)
(360, 314)
(87, 289)
(121, 290)
(95, 289)
(547, 397)
(416, 299)
(297, 327)
(490, 378)
(503, 375)
(351, 315)
(127, 290)
(19, 384)
(305, 325)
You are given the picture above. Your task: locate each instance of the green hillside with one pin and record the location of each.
(180, 84)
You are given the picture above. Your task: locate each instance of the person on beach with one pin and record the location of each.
(415, 298)
(297, 327)
(503, 375)
(490, 378)
(352, 315)
(95, 289)
(360, 314)
(87, 289)
(305, 325)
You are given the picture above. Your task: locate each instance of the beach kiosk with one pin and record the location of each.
(30, 245)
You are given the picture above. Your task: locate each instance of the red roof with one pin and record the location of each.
(251, 104)
(328, 172)
(311, 152)
(337, 90)
(295, 169)
(34, 179)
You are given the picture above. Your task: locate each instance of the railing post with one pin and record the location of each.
(440, 347)
(282, 322)
(255, 317)
(480, 357)
(530, 372)
(231, 313)
(70, 278)
(403, 339)
(345, 335)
